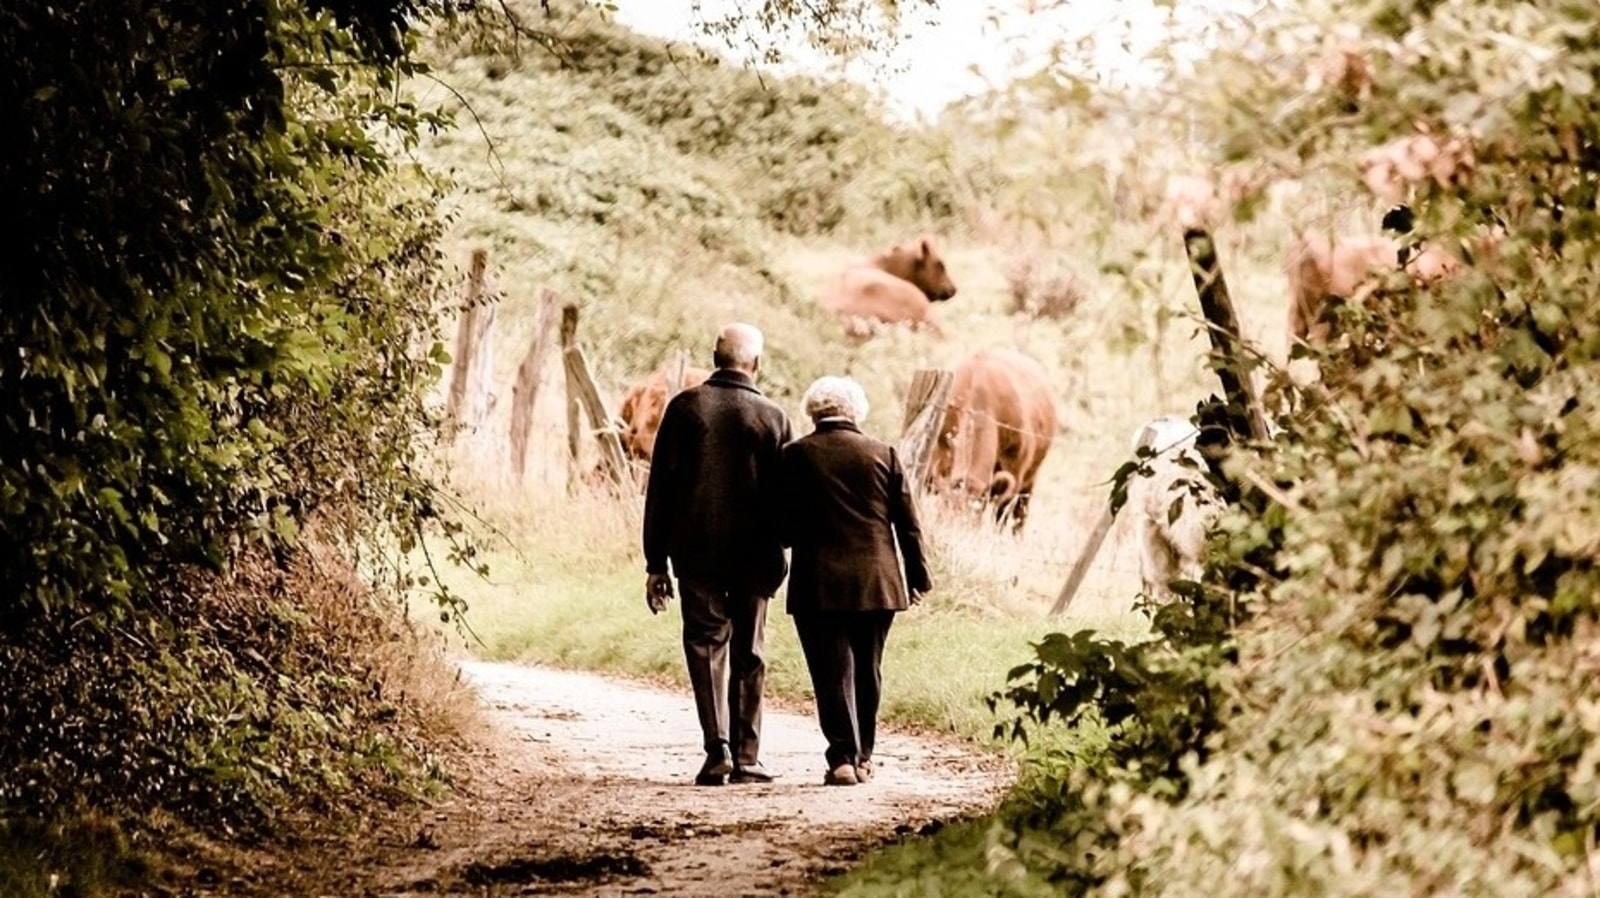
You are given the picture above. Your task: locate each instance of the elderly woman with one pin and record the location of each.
(847, 505)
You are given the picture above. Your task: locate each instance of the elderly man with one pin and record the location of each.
(709, 510)
(846, 506)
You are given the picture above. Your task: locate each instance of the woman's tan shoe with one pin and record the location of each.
(843, 775)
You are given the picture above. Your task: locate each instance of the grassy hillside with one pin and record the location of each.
(656, 188)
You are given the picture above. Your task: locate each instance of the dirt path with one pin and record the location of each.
(583, 787)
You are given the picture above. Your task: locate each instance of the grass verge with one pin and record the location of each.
(953, 862)
(566, 587)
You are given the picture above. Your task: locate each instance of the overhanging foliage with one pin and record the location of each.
(1408, 709)
(218, 312)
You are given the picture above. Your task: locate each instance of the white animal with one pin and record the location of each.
(1172, 507)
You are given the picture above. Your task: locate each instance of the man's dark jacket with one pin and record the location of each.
(712, 498)
(846, 506)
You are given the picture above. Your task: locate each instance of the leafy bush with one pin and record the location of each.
(206, 295)
(1041, 287)
(86, 855)
(1405, 707)
(283, 687)
(219, 319)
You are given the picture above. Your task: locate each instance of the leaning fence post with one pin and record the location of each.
(581, 383)
(1246, 418)
(1097, 537)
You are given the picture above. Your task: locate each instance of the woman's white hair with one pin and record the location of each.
(835, 397)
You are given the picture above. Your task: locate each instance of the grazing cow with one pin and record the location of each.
(1320, 267)
(1392, 170)
(1172, 506)
(898, 286)
(640, 413)
(996, 432)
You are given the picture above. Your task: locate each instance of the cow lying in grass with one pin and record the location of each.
(898, 286)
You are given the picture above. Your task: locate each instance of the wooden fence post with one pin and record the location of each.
(1246, 418)
(924, 415)
(581, 382)
(569, 338)
(583, 392)
(481, 396)
(468, 399)
(529, 374)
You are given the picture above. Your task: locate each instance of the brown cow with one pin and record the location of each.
(640, 413)
(996, 432)
(1392, 170)
(1320, 267)
(898, 286)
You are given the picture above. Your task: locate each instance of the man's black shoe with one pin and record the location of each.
(754, 773)
(714, 772)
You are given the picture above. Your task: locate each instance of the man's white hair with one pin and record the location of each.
(739, 345)
(835, 397)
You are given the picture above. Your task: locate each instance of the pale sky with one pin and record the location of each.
(976, 44)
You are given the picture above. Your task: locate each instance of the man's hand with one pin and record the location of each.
(915, 596)
(658, 592)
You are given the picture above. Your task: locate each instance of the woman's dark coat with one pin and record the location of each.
(846, 507)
